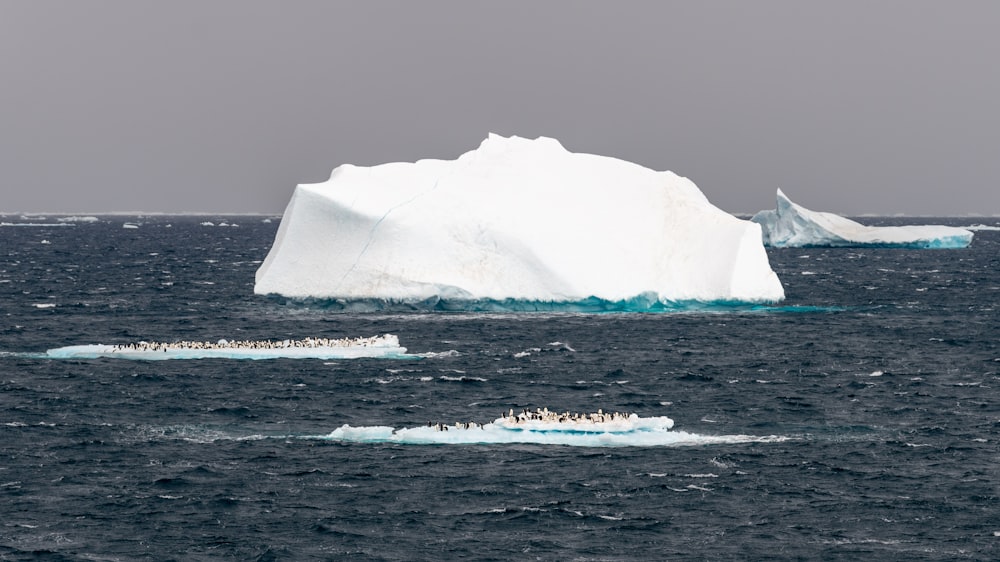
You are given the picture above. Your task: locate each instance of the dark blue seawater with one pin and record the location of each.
(878, 377)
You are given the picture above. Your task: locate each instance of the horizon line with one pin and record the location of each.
(738, 214)
(143, 213)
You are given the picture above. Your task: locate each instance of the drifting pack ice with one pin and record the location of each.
(514, 220)
(792, 226)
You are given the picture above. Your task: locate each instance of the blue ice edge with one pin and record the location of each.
(490, 434)
(590, 305)
(944, 243)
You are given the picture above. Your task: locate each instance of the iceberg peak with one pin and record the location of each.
(514, 220)
(790, 225)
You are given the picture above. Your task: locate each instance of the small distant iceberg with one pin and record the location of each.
(78, 219)
(386, 346)
(978, 227)
(794, 226)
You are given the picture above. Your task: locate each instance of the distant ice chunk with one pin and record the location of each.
(978, 227)
(78, 219)
(514, 220)
(38, 224)
(794, 226)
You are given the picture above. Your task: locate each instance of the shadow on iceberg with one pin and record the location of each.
(793, 226)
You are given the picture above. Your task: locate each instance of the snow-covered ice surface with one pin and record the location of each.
(792, 226)
(644, 432)
(514, 221)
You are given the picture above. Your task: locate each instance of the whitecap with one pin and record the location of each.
(439, 354)
(721, 464)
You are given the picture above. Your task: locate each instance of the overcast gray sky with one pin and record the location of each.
(849, 106)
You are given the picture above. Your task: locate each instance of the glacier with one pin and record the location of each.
(792, 226)
(514, 221)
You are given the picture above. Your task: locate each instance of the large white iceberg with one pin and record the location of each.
(514, 220)
(792, 226)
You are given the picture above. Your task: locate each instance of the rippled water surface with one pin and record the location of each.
(859, 419)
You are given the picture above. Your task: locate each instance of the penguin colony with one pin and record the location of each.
(249, 344)
(542, 415)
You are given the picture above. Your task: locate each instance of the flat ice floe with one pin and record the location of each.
(627, 431)
(494, 434)
(793, 226)
(982, 227)
(514, 221)
(386, 346)
(36, 224)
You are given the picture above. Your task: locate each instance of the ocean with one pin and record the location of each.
(859, 419)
